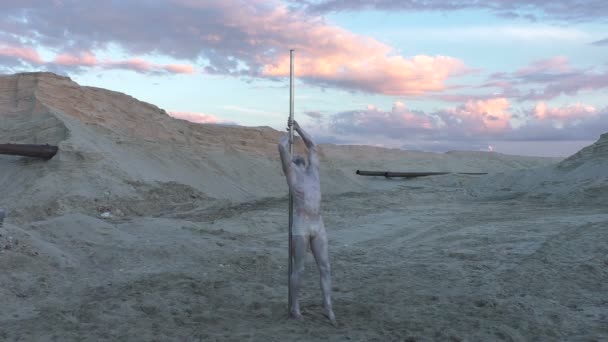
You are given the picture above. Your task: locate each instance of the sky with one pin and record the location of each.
(511, 76)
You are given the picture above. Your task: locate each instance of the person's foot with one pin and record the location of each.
(331, 316)
(296, 315)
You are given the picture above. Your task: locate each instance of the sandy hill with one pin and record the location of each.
(582, 178)
(120, 152)
(594, 157)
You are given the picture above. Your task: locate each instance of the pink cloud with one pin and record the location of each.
(88, 59)
(24, 53)
(330, 55)
(372, 71)
(548, 78)
(325, 54)
(238, 37)
(474, 118)
(180, 68)
(396, 123)
(201, 118)
(135, 64)
(143, 66)
(82, 59)
(411, 119)
(571, 112)
(558, 64)
(476, 124)
(484, 115)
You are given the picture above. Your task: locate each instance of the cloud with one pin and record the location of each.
(27, 54)
(475, 118)
(548, 78)
(559, 64)
(492, 34)
(507, 92)
(314, 114)
(77, 61)
(480, 117)
(568, 10)
(201, 118)
(143, 66)
(567, 123)
(474, 125)
(82, 59)
(602, 42)
(179, 68)
(569, 84)
(575, 111)
(540, 80)
(399, 123)
(366, 66)
(245, 38)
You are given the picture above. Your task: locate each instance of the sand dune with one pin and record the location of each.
(145, 227)
(112, 143)
(106, 139)
(581, 178)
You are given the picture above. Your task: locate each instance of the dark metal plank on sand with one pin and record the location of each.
(389, 174)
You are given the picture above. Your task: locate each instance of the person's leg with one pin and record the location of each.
(319, 249)
(299, 244)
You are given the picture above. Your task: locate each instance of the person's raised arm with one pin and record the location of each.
(313, 159)
(285, 157)
(305, 136)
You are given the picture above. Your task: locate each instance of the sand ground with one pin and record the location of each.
(415, 261)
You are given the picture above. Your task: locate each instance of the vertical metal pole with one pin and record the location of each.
(290, 264)
(2, 214)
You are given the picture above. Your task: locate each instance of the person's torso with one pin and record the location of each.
(307, 193)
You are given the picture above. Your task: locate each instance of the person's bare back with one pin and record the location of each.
(308, 228)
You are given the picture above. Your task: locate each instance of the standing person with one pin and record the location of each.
(303, 180)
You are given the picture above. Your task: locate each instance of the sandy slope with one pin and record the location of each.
(114, 147)
(196, 245)
(581, 178)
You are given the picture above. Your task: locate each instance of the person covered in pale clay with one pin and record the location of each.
(303, 180)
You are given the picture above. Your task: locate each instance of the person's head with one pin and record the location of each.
(299, 161)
